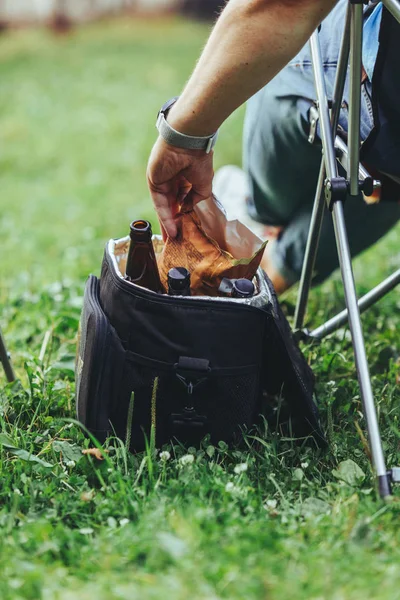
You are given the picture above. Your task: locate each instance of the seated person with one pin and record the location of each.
(281, 168)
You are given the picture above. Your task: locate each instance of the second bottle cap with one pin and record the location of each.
(179, 282)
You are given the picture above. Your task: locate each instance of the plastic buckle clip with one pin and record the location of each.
(191, 372)
(188, 418)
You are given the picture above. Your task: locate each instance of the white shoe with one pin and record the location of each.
(231, 188)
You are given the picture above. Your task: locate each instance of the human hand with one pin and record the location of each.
(173, 173)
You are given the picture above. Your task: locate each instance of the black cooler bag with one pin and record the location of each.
(185, 367)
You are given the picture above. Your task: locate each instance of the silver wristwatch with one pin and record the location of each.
(180, 140)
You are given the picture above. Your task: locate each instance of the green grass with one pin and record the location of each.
(76, 127)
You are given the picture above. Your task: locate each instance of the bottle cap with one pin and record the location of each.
(178, 279)
(243, 288)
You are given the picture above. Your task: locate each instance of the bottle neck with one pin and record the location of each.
(140, 232)
(182, 292)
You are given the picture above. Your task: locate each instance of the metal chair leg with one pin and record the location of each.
(394, 7)
(364, 304)
(311, 251)
(364, 377)
(318, 209)
(336, 190)
(5, 360)
(356, 33)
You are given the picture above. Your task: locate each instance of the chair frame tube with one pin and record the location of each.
(364, 304)
(351, 48)
(319, 202)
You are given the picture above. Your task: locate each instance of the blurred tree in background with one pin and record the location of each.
(62, 13)
(204, 9)
(61, 22)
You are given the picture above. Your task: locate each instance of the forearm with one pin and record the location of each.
(251, 42)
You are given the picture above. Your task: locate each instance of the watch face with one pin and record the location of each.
(168, 104)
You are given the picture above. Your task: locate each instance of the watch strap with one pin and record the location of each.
(181, 140)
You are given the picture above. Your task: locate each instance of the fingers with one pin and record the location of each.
(183, 190)
(172, 175)
(164, 198)
(200, 175)
(166, 213)
(162, 179)
(168, 204)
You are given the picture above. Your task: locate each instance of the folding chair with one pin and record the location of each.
(5, 360)
(332, 190)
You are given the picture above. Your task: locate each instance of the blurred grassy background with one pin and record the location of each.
(77, 118)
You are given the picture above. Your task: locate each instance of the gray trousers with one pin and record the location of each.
(283, 167)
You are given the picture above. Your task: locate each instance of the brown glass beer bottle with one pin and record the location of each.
(141, 265)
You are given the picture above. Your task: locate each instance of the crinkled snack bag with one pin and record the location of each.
(211, 248)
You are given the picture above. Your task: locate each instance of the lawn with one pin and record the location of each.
(270, 520)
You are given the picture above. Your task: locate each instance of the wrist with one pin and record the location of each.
(163, 145)
(190, 120)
